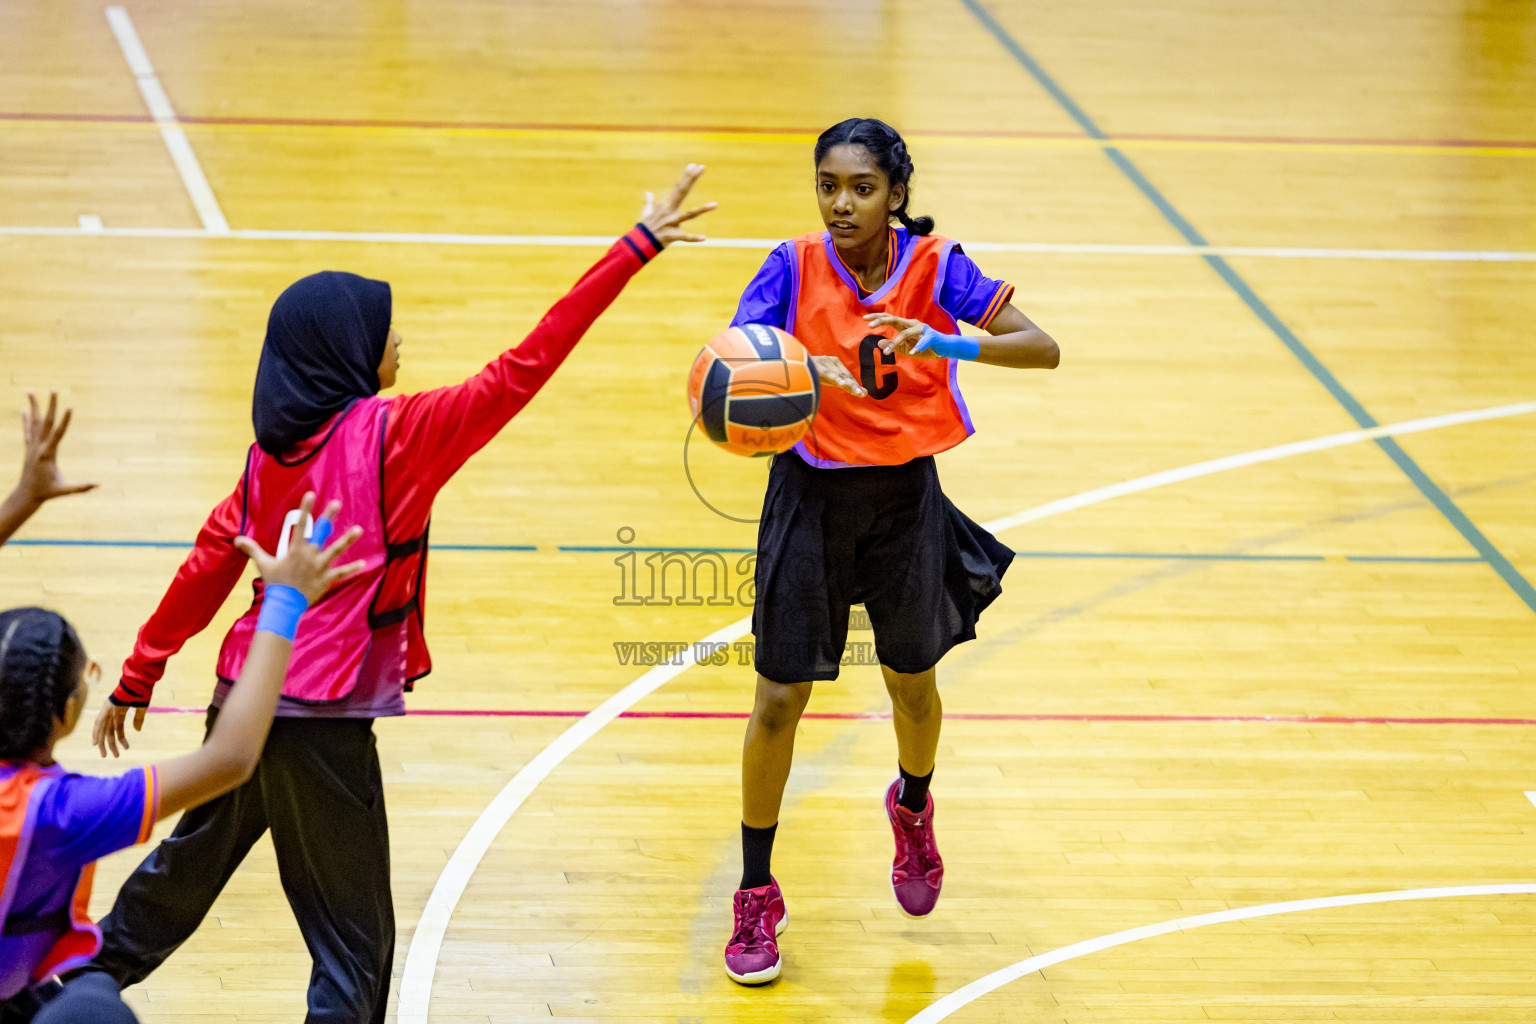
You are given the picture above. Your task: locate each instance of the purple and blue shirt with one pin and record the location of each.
(72, 822)
(966, 293)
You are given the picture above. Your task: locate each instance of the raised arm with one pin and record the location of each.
(40, 477)
(294, 583)
(433, 433)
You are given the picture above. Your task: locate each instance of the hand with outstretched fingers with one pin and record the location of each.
(908, 334)
(40, 476)
(306, 567)
(832, 370)
(665, 221)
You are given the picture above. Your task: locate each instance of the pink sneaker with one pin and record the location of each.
(752, 955)
(917, 873)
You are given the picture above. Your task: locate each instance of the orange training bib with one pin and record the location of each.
(914, 407)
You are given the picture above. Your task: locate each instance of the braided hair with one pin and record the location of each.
(887, 148)
(41, 662)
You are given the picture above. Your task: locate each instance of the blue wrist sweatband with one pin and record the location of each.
(281, 607)
(950, 346)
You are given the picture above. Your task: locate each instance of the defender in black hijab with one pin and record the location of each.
(325, 340)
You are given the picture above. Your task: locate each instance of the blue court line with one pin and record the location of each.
(1154, 556)
(1437, 497)
(98, 544)
(1441, 560)
(484, 547)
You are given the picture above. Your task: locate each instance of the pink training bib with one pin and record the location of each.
(335, 635)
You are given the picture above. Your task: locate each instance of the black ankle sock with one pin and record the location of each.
(914, 790)
(756, 852)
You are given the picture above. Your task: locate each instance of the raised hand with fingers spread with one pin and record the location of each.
(41, 479)
(308, 564)
(665, 222)
(294, 582)
(73, 819)
(332, 345)
(306, 571)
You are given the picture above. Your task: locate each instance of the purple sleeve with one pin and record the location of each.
(767, 298)
(85, 817)
(970, 295)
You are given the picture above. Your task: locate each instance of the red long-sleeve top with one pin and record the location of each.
(428, 436)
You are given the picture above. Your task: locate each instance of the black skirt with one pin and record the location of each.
(883, 536)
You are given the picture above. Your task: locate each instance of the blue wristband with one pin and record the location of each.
(281, 607)
(950, 346)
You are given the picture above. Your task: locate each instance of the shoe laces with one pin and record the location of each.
(919, 848)
(752, 927)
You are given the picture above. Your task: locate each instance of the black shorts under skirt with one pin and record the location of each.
(883, 536)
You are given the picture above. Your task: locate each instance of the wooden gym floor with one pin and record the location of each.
(1297, 675)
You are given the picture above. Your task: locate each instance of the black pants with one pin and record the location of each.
(89, 999)
(319, 789)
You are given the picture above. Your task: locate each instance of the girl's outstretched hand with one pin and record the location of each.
(306, 567)
(833, 371)
(665, 221)
(40, 476)
(908, 333)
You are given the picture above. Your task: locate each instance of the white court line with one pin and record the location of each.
(170, 129)
(603, 241)
(1282, 451)
(997, 979)
(427, 941)
(1530, 795)
(421, 957)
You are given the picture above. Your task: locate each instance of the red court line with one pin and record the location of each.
(962, 716)
(86, 118)
(324, 122)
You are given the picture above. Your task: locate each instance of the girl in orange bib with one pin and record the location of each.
(855, 514)
(54, 824)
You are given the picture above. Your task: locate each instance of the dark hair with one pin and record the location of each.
(885, 145)
(41, 660)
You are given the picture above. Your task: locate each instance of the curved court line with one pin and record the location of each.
(1279, 451)
(426, 942)
(1259, 308)
(603, 241)
(997, 979)
(421, 957)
